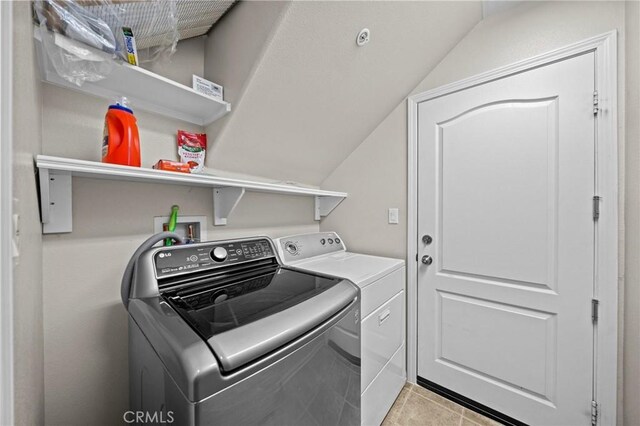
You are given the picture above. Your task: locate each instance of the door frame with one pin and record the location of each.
(606, 228)
(6, 215)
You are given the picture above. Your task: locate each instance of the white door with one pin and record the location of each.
(505, 190)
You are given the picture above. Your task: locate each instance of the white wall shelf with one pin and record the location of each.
(144, 90)
(55, 179)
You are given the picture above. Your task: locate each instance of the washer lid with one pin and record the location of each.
(239, 346)
(244, 320)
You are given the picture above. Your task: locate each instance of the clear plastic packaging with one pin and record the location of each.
(155, 27)
(83, 39)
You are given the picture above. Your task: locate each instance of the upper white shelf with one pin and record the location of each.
(144, 90)
(55, 175)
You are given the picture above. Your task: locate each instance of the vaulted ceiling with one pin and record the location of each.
(304, 95)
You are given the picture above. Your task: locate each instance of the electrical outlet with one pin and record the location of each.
(393, 215)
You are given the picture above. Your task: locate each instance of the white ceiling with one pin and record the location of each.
(313, 96)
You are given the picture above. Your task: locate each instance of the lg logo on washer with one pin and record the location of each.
(156, 417)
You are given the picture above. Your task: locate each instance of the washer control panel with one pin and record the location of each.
(177, 260)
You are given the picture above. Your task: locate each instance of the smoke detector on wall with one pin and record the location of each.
(363, 37)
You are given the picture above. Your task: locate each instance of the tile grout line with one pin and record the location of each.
(401, 406)
(440, 405)
(464, 410)
(405, 401)
(462, 414)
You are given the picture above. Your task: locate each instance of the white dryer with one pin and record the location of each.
(381, 281)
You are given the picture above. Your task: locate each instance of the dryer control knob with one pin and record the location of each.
(291, 247)
(219, 254)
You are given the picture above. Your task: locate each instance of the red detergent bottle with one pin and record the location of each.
(121, 142)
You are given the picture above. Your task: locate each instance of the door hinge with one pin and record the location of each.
(594, 310)
(416, 257)
(596, 109)
(596, 207)
(594, 413)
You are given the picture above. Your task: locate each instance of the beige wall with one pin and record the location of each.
(375, 177)
(375, 173)
(186, 61)
(230, 55)
(28, 343)
(631, 235)
(304, 94)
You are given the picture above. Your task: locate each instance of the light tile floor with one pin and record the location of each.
(417, 406)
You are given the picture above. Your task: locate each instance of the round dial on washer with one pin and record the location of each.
(337, 240)
(323, 241)
(219, 254)
(330, 240)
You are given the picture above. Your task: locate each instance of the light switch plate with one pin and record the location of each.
(393, 216)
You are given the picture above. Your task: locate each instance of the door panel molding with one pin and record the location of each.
(541, 240)
(537, 381)
(604, 47)
(492, 280)
(500, 104)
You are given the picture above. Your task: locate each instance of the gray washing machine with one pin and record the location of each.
(220, 333)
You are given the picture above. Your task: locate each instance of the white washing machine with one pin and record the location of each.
(381, 281)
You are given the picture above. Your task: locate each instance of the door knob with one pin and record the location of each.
(427, 260)
(427, 239)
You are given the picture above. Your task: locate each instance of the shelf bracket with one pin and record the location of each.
(325, 205)
(55, 201)
(224, 201)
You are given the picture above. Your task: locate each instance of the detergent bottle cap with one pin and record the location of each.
(121, 103)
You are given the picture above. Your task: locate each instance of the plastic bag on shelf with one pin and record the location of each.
(155, 27)
(83, 39)
(154, 24)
